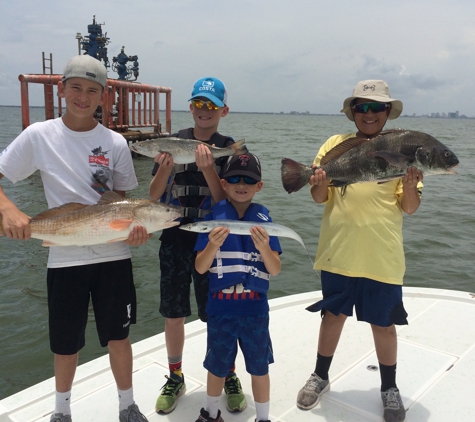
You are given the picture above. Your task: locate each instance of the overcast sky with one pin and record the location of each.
(273, 55)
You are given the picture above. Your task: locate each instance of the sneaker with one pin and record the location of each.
(204, 417)
(393, 408)
(132, 414)
(59, 417)
(171, 391)
(309, 395)
(235, 398)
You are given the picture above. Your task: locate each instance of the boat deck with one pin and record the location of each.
(436, 369)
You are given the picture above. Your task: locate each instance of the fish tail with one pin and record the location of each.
(294, 175)
(239, 147)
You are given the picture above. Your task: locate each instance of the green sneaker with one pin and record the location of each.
(171, 391)
(235, 398)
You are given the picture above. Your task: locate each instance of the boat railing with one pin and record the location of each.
(128, 108)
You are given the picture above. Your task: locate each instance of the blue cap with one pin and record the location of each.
(211, 88)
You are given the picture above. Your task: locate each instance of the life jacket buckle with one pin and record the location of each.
(254, 257)
(192, 190)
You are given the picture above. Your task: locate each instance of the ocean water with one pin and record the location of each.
(439, 239)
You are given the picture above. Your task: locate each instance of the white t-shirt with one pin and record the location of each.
(74, 167)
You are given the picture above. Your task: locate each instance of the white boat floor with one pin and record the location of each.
(436, 369)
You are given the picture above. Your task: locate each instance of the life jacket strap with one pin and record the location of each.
(247, 256)
(194, 212)
(183, 190)
(181, 168)
(240, 269)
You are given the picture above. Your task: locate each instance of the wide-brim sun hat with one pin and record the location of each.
(373, 90)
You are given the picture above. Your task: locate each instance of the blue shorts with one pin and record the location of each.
(375, 302)
(252, 334)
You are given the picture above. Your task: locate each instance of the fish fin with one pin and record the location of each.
(118, 239)
(338, 183)
(120, 224)
(172, 224)
(294, 175)
(341, 148)
(47, 243)
(63, 209)
(394, 158)
(239, 147)
(110, 197)
(395, 131)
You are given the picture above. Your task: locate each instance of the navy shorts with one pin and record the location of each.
(110, 286)
(177, 269)
(374, 302)
(252, 334)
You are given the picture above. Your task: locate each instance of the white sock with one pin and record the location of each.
(262, 411)
(63, 403)
(126, 398)
(212, 406)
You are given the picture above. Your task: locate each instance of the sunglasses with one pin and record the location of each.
(236, 179)
(201, 103)
(374, 107)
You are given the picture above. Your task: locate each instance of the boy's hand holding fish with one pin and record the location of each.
(217, 236)
(138, 236)
(260, 238)
(164, 160)
(16, 224)
(204, 158)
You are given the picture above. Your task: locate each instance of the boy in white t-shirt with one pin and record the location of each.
(79, 159)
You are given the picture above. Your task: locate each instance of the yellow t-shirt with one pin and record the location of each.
(361, 231)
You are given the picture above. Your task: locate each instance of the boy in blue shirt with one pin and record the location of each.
(195, 187)
(239, 271)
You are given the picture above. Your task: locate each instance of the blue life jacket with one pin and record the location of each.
(187, 186)
(237, 260)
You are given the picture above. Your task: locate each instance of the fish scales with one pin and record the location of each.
(183, 150)
(243, 228)
(110, 220)
(385, 157)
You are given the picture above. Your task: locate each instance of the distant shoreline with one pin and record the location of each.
(295, 113)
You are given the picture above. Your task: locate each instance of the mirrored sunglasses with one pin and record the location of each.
(374, 107)
(236, 179)
(201, 103)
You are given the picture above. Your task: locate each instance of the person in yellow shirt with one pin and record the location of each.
(360, 252)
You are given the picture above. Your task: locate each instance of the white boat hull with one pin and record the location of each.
(436, 369)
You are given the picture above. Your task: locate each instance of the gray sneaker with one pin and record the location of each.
(309, 395)
(59, 417)
(132, 414)
(393, 408)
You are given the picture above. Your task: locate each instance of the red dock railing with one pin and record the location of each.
(129, 106)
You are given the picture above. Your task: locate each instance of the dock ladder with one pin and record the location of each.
(48, 87)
